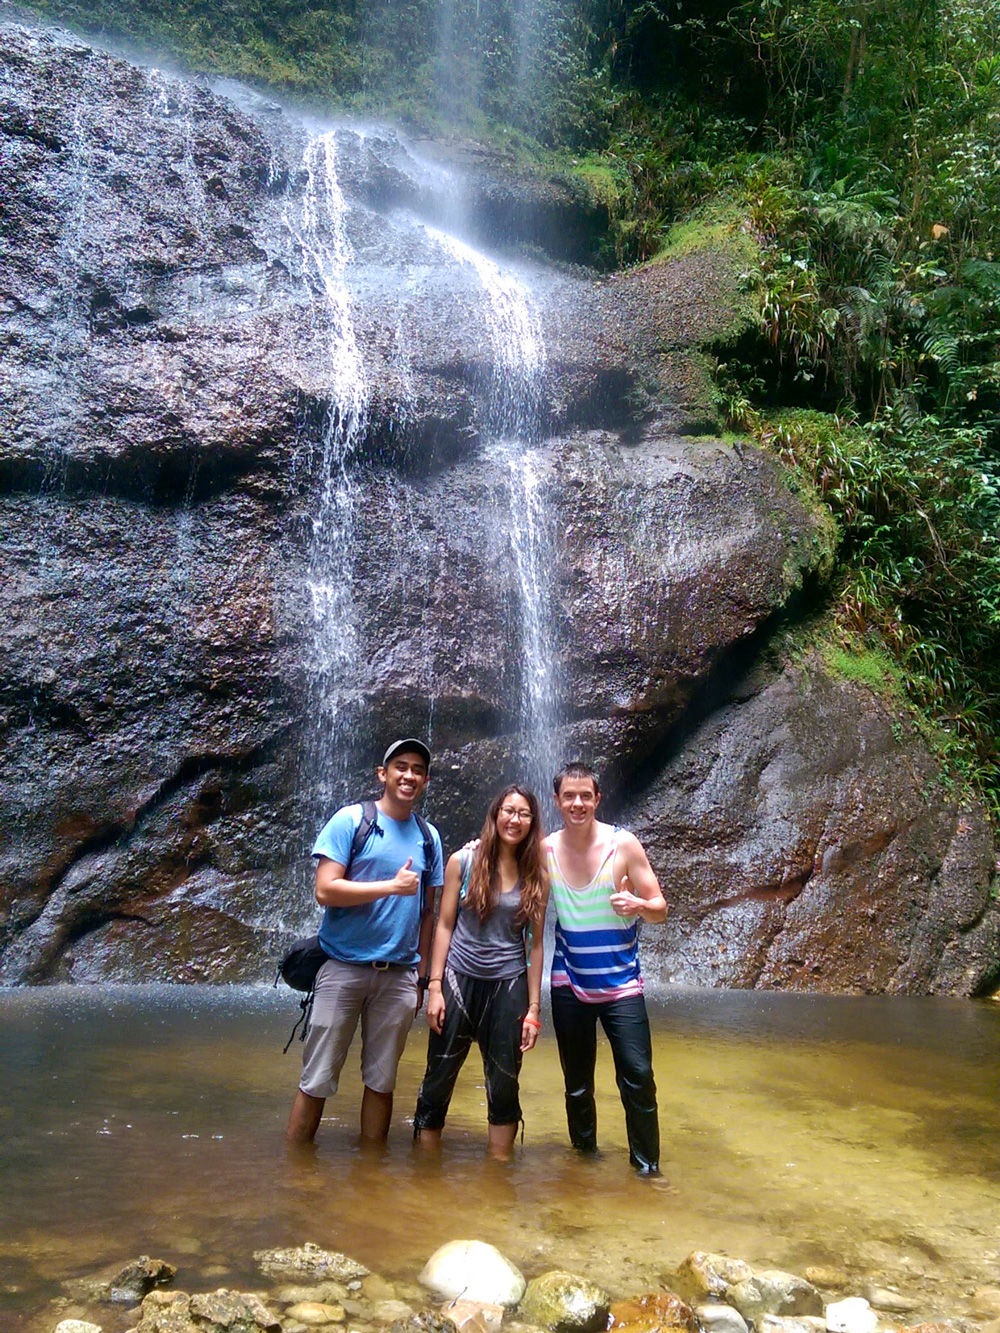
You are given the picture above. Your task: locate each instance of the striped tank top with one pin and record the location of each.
(596, 952)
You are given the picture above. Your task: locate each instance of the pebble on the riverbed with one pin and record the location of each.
(704, 1276)
(889, 1300)
(475, 1271)
(714, 1317)
(652, 1313)
(565, 1303)
(313, 1313)
(309, 1261)
(770, 1291)
(327, 1293)
(76, 1326)
(474, 1316)
(851, 1315)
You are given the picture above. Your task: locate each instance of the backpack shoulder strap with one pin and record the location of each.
(466, 860)
(425, 878)
(368, 822)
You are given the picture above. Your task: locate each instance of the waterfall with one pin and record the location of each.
(317, 226)
(514, 418)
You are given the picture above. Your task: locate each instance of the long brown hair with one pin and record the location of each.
(532, 871)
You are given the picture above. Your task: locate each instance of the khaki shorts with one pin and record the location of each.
(384, 1000)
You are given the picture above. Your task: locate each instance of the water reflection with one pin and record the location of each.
(797, 1130)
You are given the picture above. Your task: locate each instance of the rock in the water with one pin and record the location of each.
(480, 1316)
(76, 1326)
(777, 1323)
(391, 1312)
(424, 1322)
(219, 1311)
(889, 1300)
(327, 1293)
(309, 1261)
(139, 1277)
(315, 1313)
(851, 1315)
(565, 1303)
(704, 1276)
(474, 1271)
(652, 1312)
(771, 1291)
(714, 1317)
(376, 1288)
(985, 1301)
(823, 1275)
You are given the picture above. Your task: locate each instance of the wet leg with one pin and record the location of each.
(575, 1025)
(376, 1114)
(304, 1119)
(627, 1028)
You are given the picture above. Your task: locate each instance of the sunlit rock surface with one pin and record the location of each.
(808, 841)
(172, 365)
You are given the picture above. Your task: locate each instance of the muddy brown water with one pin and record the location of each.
(860, 1133)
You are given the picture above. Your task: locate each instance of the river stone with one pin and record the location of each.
(376, 1288)
(706, 1276)
(391, 1311)
(771, 1291)
(309, 1261)
(474, 1271)
(315, 1313)
(565, 1303)
(777, 1323)
(822, 1275)
(851, 1315)
(139, 1277)
(219, 1311)
(329, 1293)
(714, 1317)
(893, 1302)
(484, 1315)
(76, 1326)
(649, 1313)
(985, 1301)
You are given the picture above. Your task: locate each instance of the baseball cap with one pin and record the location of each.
(408, 743)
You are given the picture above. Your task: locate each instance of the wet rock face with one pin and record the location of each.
(173, 361)
(806, 840)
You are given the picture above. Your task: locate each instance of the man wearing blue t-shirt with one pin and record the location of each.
(376, 932)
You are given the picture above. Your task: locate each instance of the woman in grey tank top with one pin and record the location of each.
(482, 985)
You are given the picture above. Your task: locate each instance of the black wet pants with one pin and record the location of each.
(626, 1027)
(490, 1013)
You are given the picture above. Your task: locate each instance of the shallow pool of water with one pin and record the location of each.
(862, 1133)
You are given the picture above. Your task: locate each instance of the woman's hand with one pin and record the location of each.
(435, 1010)
(529, 1034)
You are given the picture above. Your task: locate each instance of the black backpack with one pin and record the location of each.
(299, 965)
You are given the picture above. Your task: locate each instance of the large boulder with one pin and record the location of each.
(810, 841)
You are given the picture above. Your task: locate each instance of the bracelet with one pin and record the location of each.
(532, 1023)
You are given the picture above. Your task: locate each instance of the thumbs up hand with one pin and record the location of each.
(406, 881)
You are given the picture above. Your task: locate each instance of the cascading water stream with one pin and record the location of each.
(319, 234)
(514, 420)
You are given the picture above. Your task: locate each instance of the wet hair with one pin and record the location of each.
(532, 871)
(576, 768)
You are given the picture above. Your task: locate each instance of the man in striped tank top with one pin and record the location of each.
(601, 885)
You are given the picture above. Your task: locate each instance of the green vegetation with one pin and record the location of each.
(856, 144)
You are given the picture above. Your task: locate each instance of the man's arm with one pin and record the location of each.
(333, 890)
(638, 893)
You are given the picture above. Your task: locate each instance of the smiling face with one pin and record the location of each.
(513, 819)
(405, 777)
(578, 800)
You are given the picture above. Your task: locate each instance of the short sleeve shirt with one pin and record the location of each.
(387, 929)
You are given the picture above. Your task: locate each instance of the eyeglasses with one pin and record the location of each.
(509, 812)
